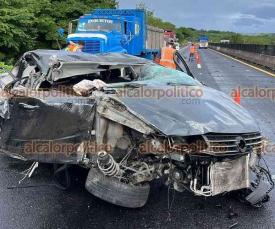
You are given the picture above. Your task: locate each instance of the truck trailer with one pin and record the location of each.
(119, 31)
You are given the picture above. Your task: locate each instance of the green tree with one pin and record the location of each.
(236, 38)
(15, 22)
(186, 34)
(30, 24)
(155, 21)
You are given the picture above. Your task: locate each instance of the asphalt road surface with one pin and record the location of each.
(37, 203)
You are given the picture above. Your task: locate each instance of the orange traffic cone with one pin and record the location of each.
(237, 96)
(198, 59)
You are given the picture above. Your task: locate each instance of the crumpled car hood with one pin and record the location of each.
(213, 112)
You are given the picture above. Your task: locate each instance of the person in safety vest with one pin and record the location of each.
(167, 56)
(73, 47)
(192, 51)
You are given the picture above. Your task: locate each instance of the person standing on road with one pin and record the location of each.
(167, 56)
(192, 51)
(73, 47)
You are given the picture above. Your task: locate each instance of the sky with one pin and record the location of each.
(242, 16)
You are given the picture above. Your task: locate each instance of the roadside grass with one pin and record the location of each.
(4, 67)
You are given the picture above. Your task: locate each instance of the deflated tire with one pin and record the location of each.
(113, 191)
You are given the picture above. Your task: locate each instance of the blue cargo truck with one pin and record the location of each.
(117, 30)
(203, 42)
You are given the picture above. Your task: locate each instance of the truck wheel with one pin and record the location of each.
(113, 191)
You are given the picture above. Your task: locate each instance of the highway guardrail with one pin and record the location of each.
(261, 55)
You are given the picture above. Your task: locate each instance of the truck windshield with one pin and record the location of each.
(98, 25)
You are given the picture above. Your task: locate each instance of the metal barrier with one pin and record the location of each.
(263, 55)
(261, 49)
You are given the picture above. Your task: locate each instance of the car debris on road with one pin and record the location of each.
(122, 117)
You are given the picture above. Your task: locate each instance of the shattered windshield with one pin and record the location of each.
(159, 76)
(98, 25)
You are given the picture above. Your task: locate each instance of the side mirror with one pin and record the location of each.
(61, 31)
(70, 28)
(72, 25)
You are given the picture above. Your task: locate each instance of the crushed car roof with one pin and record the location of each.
(45, 57)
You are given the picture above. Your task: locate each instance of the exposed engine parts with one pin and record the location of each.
(203, 190)
(133, 172)
(203, 176)
(108, 165)
(261, 185)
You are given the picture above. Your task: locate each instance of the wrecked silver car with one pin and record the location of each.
(130, 121)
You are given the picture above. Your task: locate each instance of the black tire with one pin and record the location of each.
(113, 191)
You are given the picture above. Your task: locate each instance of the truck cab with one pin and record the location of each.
(112, 30)
(203, 42)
